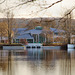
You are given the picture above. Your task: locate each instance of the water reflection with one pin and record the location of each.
(37, 62)
(34, 54)
(6, 62)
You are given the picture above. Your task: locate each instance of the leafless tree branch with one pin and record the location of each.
(24, 3)
(33, 1)
(13, 7)
(53, 4)
(2, 1)
(70, 11)
(67, 14)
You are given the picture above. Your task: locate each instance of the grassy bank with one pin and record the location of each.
(63, 46)
(53, 44)
(12, 44)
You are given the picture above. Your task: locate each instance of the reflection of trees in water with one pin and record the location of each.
(9, 64)
(49, 59)
(50, 55)
(3, 61)
(47, 63)
(65, 66)
(6, 62)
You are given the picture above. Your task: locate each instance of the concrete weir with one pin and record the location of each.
(33, 45)
(14, 48)
(51, 47)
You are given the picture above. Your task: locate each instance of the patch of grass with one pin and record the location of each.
(12, 44)
(53, 44)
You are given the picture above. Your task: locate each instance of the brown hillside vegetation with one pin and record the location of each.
(44, 22)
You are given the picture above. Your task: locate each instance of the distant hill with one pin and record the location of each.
(33, 22)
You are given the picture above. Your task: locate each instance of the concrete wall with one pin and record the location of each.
(14, 48)
(51, 47)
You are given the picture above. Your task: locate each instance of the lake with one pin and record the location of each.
(37, 62)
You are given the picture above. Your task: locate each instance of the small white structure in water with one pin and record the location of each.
(70, 47)
(34, 45)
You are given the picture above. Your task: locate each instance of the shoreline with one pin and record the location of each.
(19, 46)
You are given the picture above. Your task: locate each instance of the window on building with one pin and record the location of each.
(17, 40)
(56, 33)
(38, 28)
(30, 40)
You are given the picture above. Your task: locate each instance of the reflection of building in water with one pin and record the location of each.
(40, 62)
(50, 63)
(34, 54)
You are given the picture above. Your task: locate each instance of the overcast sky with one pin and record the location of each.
(36, 9)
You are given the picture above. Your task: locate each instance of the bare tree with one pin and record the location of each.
(10, 21)
(67, 24)
(3, 29)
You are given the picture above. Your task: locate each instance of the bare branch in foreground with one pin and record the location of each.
(33, 1)
(53, 4)
(2, 1)
(70, 11)
(67, 14)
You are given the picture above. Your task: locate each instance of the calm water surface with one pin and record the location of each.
(37, 62)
